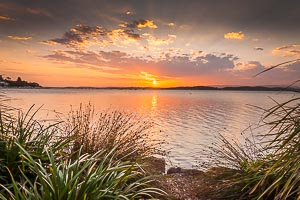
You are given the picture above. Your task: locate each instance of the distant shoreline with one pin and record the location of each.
(228, 88)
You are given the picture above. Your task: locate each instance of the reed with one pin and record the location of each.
(259, 170)
(105, 130)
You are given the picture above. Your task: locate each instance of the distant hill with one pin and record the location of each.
(236, 88)
(262, 88)
(19, 83)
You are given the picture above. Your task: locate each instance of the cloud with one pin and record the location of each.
(258, 48)
(288, 50)
(171, 24)
(167, 65)
(128, 12)
(125, 36)
(83, 35)
(142, 23)
(246, 66)
(3, 17)
(78, 36)
(37, 11)
(295, 68)
(152, 40)
(234, 35)
(19, 38)
(211, 68)
(194, 54)
(91, 58)
(49, 43)
(147, 76)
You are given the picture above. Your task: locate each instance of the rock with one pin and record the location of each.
(174, 170)
(154, 166)
(183, 184)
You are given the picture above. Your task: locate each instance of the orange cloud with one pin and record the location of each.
(234, 35)
(150, 79)
(122, 36)
(245, 66)
(82, 36)
(49, 43)
(148, 76)
(146, 23)
(19, 38)
(142, 23)
(158, 41)
(171, 24)
(38, 12)
(288, 50)
(2, 17)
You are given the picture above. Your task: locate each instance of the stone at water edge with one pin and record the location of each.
(174, 170)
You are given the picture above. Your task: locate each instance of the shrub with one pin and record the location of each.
(230, 167)
(35, 137)
(93, 176)
(265, 170)
(281, 179)
(39, 161)
(105, 130)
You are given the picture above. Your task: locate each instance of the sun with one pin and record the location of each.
(154, 82)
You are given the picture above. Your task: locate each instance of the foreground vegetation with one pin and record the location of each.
(259, 170)
(102, 156)
(78, 159)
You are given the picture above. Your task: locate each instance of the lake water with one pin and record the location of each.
(186, 120)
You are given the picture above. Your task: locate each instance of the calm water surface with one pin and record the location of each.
(185, 119)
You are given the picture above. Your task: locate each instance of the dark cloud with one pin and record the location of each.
(271, 17)
(79, 35)
(209, 66)
(167, 66)
(258, 48)
(131, 34)
(82, 35)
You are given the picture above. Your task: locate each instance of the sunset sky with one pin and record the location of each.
(149, 42)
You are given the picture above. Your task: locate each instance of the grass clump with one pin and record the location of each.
(260, 170)
(105, 130)
(43, 161)
(88, 176)
(31, 135)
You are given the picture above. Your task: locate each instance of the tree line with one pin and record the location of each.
(7, 82)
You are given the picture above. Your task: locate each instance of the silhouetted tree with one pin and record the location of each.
(17, 83)
(19, 79)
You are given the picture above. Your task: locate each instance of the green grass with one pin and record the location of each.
(76, 159)
(259, 170)
(283, 171)
(86, 177)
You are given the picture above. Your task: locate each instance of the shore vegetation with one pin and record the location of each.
(79, 158)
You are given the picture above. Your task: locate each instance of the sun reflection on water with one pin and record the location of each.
(153, 103)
